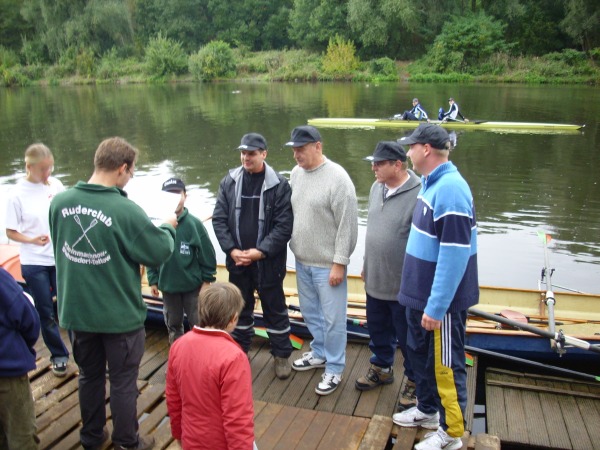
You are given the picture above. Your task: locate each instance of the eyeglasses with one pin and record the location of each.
(130, 172)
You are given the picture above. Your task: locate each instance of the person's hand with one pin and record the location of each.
(336, 275)
(428, 120)
(254, 254)
(430, 323)
(240, 258)
(466, 120)
(154, 290)
(41, 240)
(172, 220)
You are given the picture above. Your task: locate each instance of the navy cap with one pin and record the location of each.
(173, 185)
(433, 135)
(302, 135)
(252, 142)
(387, 151)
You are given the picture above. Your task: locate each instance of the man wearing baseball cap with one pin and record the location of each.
(253, 223)
(191, 267)
(391, 203)
(324, 237)
(439, 284)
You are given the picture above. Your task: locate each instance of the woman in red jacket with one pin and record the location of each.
(209, 383)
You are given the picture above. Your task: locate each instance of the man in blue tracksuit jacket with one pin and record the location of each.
(439, 284)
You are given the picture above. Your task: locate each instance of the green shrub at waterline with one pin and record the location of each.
(164, 57)
(214, 60)
(340, 59)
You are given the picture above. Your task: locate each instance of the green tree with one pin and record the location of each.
(98, 25)
(314, 22)
(582, 23)
(465, 42)
(12, 24)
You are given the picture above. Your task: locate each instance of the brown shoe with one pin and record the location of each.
(144, 443)
(283, 369)
(408, 397)
(374, 377)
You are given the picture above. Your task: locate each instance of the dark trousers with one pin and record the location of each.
(387, 329)
(17, 415)
(275, 313)
(41, 283)
(438, 360)
(123, 353)
(407, 115)
(174, 304)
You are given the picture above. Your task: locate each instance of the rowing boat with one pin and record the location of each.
(503, 127)
(576, 315)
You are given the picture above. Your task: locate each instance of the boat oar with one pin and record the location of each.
(536, 364)
(558, 336)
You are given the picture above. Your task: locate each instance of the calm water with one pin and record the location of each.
(522, 183)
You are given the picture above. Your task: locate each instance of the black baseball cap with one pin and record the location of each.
(433, 135)
(173, 185)
(387, 151)
(302, 135)
(252, 142)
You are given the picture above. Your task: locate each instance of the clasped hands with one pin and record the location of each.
(246, 257)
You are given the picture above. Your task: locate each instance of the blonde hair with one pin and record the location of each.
(113, 152)
(36, 153)
(218, 304)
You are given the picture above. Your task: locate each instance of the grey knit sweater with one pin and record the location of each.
(325, 215)
(388, 226)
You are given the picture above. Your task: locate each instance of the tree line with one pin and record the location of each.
(447, 35)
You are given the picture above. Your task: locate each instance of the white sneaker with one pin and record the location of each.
(328, 384)
(308, 362)
(414, 418)
(439, 440)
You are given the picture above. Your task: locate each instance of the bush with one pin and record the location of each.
(32, 52)
(165, 56)
(8, 58)
(340, 58)
(214, 60)
(12, 76)
(383, 69)
(85, 63)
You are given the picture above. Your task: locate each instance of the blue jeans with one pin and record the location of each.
(324, 311)
(41, 283)
(387, 329)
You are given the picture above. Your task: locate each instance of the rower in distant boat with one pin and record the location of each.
(416, 113)
(452, 113)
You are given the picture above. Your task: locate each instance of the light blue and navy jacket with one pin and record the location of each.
(419, 112)
(440, 267)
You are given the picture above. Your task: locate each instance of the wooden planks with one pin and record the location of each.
(288, 413)
(544, 411)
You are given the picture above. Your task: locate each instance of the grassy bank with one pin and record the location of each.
(568, 67)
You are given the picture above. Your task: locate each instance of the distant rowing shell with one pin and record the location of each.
(502, 127)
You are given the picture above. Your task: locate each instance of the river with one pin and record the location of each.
(522, 183)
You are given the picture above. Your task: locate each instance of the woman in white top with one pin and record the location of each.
(27, 223)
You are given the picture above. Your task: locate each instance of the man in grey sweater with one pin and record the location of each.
(391, 204)
(323, 238)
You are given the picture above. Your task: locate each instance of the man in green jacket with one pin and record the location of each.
(191, 267)
(101, 238)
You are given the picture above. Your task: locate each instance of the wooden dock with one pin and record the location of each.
(528, 410)
(288, 413)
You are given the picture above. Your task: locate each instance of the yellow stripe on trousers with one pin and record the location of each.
(444, 377)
